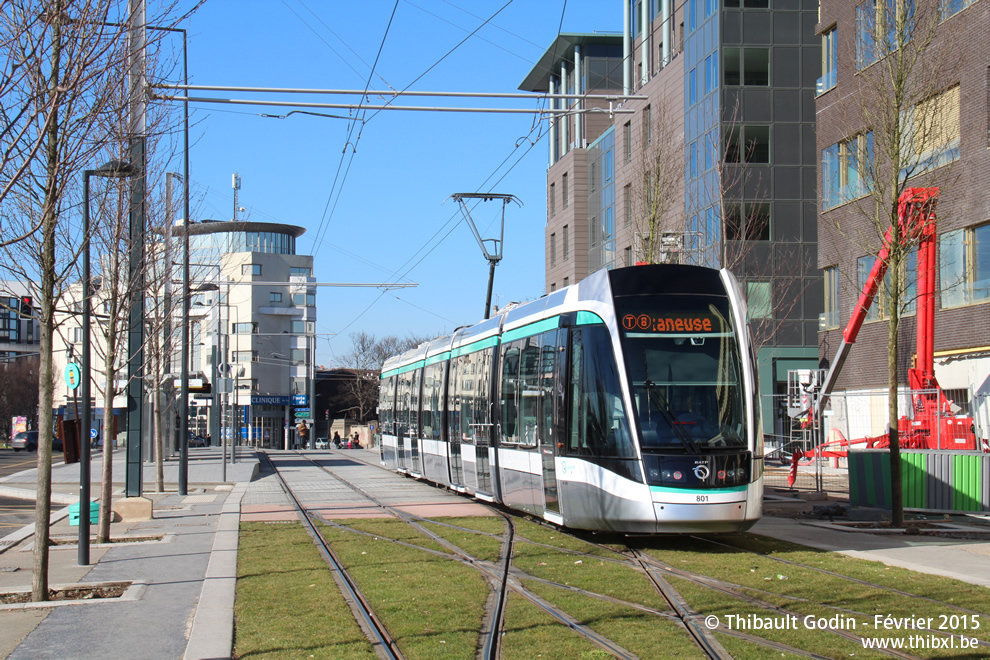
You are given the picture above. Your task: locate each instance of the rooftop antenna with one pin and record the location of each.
(496, 255)
(235, 182)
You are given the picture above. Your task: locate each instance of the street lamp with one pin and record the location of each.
(114, 169)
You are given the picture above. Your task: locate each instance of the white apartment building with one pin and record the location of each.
(252, 319)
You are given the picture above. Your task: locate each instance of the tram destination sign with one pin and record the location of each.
(688, 322)
(269, 400)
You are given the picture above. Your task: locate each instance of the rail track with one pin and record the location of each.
(504, 577)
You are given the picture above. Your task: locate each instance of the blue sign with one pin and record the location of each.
(300, 399)
(94, 433)
(266, 400)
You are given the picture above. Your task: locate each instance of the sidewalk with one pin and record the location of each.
(181, 600)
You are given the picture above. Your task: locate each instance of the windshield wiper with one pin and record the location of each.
(657, 399)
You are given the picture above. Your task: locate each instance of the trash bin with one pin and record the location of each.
(94, 514)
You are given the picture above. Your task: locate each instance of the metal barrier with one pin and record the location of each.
(847, 420)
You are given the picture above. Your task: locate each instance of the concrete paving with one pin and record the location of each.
(182, 563)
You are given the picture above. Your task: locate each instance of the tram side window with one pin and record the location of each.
(433, 400)
(599, 425)
(414, 398)
(387, 401)
(402, 403)
(482, 399)
(529, 376)
(510, 394)
(454, 400)
(548, 360)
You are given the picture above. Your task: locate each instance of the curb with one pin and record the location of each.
(212, 633)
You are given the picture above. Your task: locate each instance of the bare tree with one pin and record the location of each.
(907, 112)
(365, 360)
(63, 63)
(658, 195)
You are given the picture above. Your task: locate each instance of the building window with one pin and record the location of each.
(245, 356)
(627, 139)
(299, 356)
(693, 160)
(627, 203)
(553, 286)
(711, 6)
(748, 4)
(304, 299)
(877, 30)
(830, 62)
(909, 283)
(748, 221)
(846, 170)
(964, 268)
(563, 190)
(952, 7)
(553, 200)
(692, 13)
(692, 86)
(830, 317)
(567, 246)
(553, 250)
(708, 147)
(567, 281)
(298, 385)
(250, 269)
(303, 327)
(647, 125)
(629, 261)
(932, 133)
(711, 73)
(758, 299)
(274, 296)
(300, 270)
(749, 67)
(749, 144)
(243, 328)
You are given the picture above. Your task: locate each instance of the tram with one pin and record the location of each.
(625, 403)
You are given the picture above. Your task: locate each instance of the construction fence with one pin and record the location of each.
(856, 419)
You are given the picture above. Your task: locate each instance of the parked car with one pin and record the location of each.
(196, 440)
(29, 440)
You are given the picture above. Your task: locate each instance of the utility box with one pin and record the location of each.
(94, 514)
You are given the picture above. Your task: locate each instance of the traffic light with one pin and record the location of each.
(26, 306)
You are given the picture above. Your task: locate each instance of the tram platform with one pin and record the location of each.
(183, 575)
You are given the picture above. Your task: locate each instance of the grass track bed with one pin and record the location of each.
(432, 606)
(288, 605)
(602, 577)
(645, 634)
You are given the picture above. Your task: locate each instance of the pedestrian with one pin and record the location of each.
(336, 440)
(356, 444)
(209, 440)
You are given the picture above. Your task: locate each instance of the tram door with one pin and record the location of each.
(551, 391)
(483, 423)
(403, 411)
(411, 443)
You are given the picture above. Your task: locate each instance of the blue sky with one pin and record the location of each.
(384, 222)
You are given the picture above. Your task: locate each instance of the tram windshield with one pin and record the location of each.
(683, 363)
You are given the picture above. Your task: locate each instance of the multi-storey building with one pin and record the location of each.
(945, 145)
(252, 317)
(715, 163)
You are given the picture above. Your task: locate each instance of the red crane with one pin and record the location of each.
(933, 425)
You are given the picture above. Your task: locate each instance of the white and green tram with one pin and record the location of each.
(626, 403)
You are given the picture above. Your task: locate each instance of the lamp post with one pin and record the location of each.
(115, 169)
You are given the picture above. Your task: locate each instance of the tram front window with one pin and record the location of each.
(682, 360)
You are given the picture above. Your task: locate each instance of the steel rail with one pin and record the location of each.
(379, 636)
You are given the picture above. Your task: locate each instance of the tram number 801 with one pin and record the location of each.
(701, 498)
